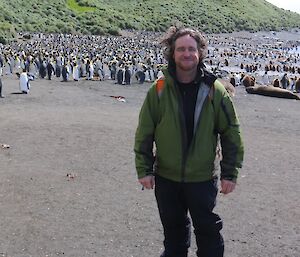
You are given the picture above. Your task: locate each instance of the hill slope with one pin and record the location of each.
(109, 16)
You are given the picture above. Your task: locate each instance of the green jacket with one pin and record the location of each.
(161, 129)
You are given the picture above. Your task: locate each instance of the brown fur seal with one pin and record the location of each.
(228, 86)
(272, 91)
(248, 81)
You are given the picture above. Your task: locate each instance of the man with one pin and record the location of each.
(184, 116)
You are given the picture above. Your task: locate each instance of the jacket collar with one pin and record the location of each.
(203, 75)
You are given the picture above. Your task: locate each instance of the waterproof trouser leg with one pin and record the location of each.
(173, 214)
(174, 200)
(201, 199)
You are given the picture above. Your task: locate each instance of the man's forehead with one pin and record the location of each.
(185, 40)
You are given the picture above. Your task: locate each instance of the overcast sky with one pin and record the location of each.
(292, 5)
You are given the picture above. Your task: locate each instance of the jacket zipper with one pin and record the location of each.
(183, 133)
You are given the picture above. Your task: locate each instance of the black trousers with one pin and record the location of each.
(175, 200)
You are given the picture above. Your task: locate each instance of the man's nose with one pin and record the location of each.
(186, 52)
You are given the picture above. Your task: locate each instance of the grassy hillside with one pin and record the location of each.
(110, 16)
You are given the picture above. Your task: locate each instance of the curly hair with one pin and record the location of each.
(174, 33)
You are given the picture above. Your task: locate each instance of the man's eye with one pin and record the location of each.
(192, 49)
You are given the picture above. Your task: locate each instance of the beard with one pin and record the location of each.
(187, 65)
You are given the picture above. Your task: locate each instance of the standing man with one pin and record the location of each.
(184, 113)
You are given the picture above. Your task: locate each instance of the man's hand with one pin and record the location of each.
(227, 186)
(147, 182)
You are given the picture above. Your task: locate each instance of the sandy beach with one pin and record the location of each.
(68, 185)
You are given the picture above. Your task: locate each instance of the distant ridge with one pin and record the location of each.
(111, 16)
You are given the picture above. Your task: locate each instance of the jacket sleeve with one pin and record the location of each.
(144, 136)
(228, 127)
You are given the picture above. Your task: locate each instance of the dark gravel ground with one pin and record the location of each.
(68, 185)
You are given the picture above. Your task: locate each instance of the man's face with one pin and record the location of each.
(186, 54)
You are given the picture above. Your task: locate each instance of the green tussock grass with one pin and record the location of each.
(74, 6)
(111, 16)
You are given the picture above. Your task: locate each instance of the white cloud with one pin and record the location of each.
(292, 5)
